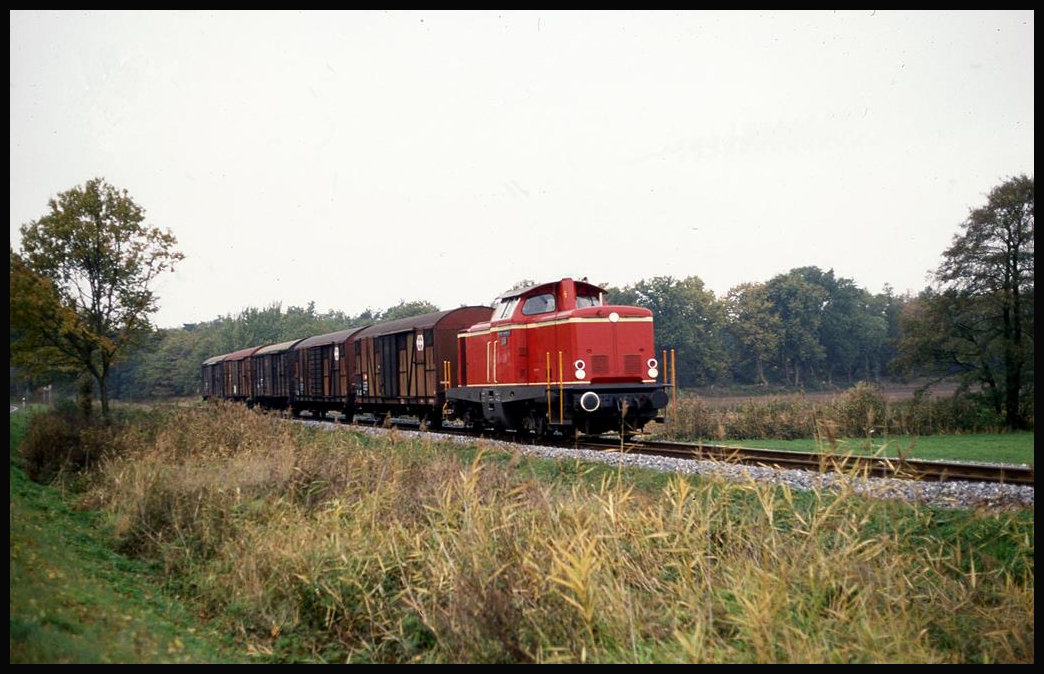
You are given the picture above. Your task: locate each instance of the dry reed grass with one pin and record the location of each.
(858, 412)
(337, 547)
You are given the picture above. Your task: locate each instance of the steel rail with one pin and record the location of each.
(874, 466)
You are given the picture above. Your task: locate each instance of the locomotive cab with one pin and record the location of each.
(555, 355)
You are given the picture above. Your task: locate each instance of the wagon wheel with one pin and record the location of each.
(538, 424)
(432, 421)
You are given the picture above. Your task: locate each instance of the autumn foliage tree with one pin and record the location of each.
(81, 285)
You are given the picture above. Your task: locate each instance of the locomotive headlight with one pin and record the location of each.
(613, 317)
(581, 369)
(590, 401)
(580, 374)
(653, 373)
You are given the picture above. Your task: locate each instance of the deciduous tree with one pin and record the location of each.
(980, 320)
(81, 286)
(753, 325)
(688, 319)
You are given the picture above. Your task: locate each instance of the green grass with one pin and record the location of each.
(73, 600)
(985, 448)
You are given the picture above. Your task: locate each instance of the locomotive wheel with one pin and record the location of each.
(537, 423)
(473, 421)
(543, 429)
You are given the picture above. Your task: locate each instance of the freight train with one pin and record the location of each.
(552, 357)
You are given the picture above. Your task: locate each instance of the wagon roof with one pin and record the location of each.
(241, 354)
(277, 348)
(422, 322)
(328, 338)
(215, 359)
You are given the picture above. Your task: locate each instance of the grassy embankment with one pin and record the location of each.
(74, 600)
(321, 546)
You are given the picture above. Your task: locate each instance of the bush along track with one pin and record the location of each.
(74, 600)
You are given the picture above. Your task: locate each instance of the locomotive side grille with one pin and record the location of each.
(600, 365)
(632, 364)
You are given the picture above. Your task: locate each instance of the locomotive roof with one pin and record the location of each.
(522, 291)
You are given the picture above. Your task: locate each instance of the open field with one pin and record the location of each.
(862, 418)
(1015, 448)
(892, 391)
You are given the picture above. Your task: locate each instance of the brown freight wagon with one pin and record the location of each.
(273, 371)
(238, 376)
(405, 366)
(213, 377)
(320, 379)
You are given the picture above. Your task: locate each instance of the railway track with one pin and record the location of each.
(906, 469)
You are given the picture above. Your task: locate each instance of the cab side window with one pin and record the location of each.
(539, 304)
(506, 309)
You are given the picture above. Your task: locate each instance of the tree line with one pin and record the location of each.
(804, 328)
(80, 300)
(170, 366)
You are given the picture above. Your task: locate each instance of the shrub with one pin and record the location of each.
(861, 411)
(857, 412)
(59, 441)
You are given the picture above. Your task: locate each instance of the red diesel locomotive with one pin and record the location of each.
(555, 355)
(548, 357)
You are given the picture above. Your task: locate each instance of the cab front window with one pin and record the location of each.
(583, 301)
(539, 304)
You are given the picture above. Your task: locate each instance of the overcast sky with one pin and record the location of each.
(361, 158)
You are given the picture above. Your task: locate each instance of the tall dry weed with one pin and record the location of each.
(861, 411)
(337, 547)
